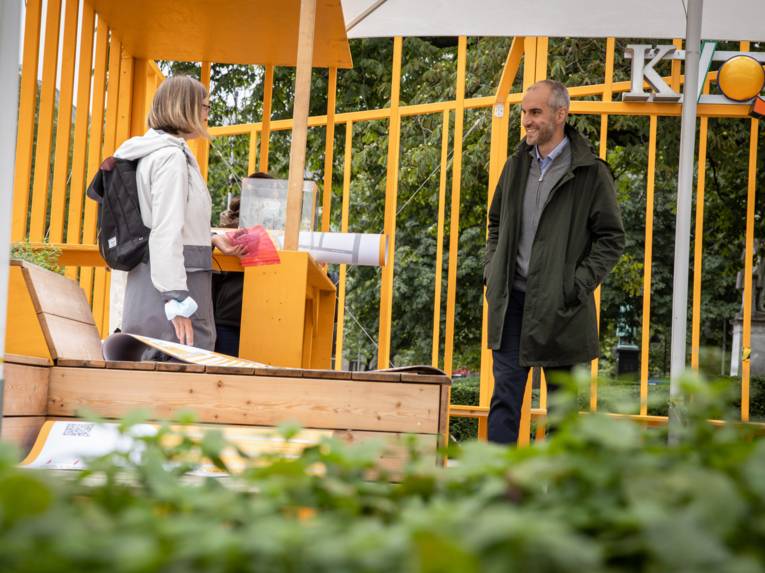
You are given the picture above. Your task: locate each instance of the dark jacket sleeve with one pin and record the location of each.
(495, 210)
(607, 232)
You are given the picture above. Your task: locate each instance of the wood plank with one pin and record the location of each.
(370, 376)
(235, 370)
(426, 378)
(443, 416)
(55, 294)
(24, 334)
(259, 400)
(22, 431)
(130, 365)
(70, 338)
(79, 363)
(281, 372)
(179, 367)
(327, 374)
(26, 390)
(28, 360)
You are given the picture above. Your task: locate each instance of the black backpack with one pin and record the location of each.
(123, 239)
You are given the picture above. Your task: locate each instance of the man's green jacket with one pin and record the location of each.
(579, 239)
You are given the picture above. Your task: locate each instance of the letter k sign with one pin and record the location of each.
(641, 71)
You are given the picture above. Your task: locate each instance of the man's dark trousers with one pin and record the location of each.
(510, 377)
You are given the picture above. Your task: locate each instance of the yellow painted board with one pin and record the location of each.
(39, 208)
(329, 150)
(344, 216)
(265, 132)
(391, 199)
(223, 31)
(274, 312)
(647, 265)
(26, 119)
(81, 124)
(454, 228)
(437, 287)
(64, 124)
(24, 335)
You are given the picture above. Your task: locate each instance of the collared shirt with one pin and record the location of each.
(545, 162)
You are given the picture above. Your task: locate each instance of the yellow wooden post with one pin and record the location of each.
(252, 153)
(391, 198)
(81, 125)
(647, 264)
(440, 241)
(454, 226)
(26, 121)
(265, 132)
(64, 124)
(698, 247)
(746, 338)
(329, 150)
(300, 123)
(203, 143)
(344, 215)
(94, 145)
(45, 124)
(500, 125)
(603, 153)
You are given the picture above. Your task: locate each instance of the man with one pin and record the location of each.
(554, 233)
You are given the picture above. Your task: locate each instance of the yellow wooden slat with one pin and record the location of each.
(39, 210)
(265, 131)
(81, 124)
(440, 241)
(112, 97)
(94, 145)
(252, 152)
(110, 144)
(454, 227)
(64, 123)
(125, 98)
(647, 264)
(391, 199)
(204, 144)
(746, 342)
(675, 74)
(26, 119)
(329, 150)
(603, 153)
(344, 215)
(698, 246)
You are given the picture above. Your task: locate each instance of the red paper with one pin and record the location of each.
(259, 248)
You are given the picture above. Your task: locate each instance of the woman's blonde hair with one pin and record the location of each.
(177, 107)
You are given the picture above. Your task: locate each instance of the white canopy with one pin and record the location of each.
(723, 19)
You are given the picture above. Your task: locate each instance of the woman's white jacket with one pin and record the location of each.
(175, 204)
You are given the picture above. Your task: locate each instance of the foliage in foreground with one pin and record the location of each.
(601, 495)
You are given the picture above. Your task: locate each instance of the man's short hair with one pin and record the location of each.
(559, 97)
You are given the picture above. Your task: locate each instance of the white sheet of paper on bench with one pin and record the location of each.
(68, 445)
(125, 346)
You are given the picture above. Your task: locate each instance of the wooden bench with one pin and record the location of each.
(74, 377)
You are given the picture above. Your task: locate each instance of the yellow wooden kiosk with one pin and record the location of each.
(53, 362)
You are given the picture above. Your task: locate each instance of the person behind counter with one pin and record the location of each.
(227, 288)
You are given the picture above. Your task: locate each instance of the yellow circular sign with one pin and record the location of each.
(741, 78)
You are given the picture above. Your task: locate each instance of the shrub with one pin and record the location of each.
(602, 495)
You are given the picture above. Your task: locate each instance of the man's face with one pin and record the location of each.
(540, 121)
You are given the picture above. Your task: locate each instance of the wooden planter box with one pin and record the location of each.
(355, 405)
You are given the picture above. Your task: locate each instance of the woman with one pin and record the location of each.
(169, 296)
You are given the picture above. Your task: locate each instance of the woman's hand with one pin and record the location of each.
(225, 246)
(183, 330)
